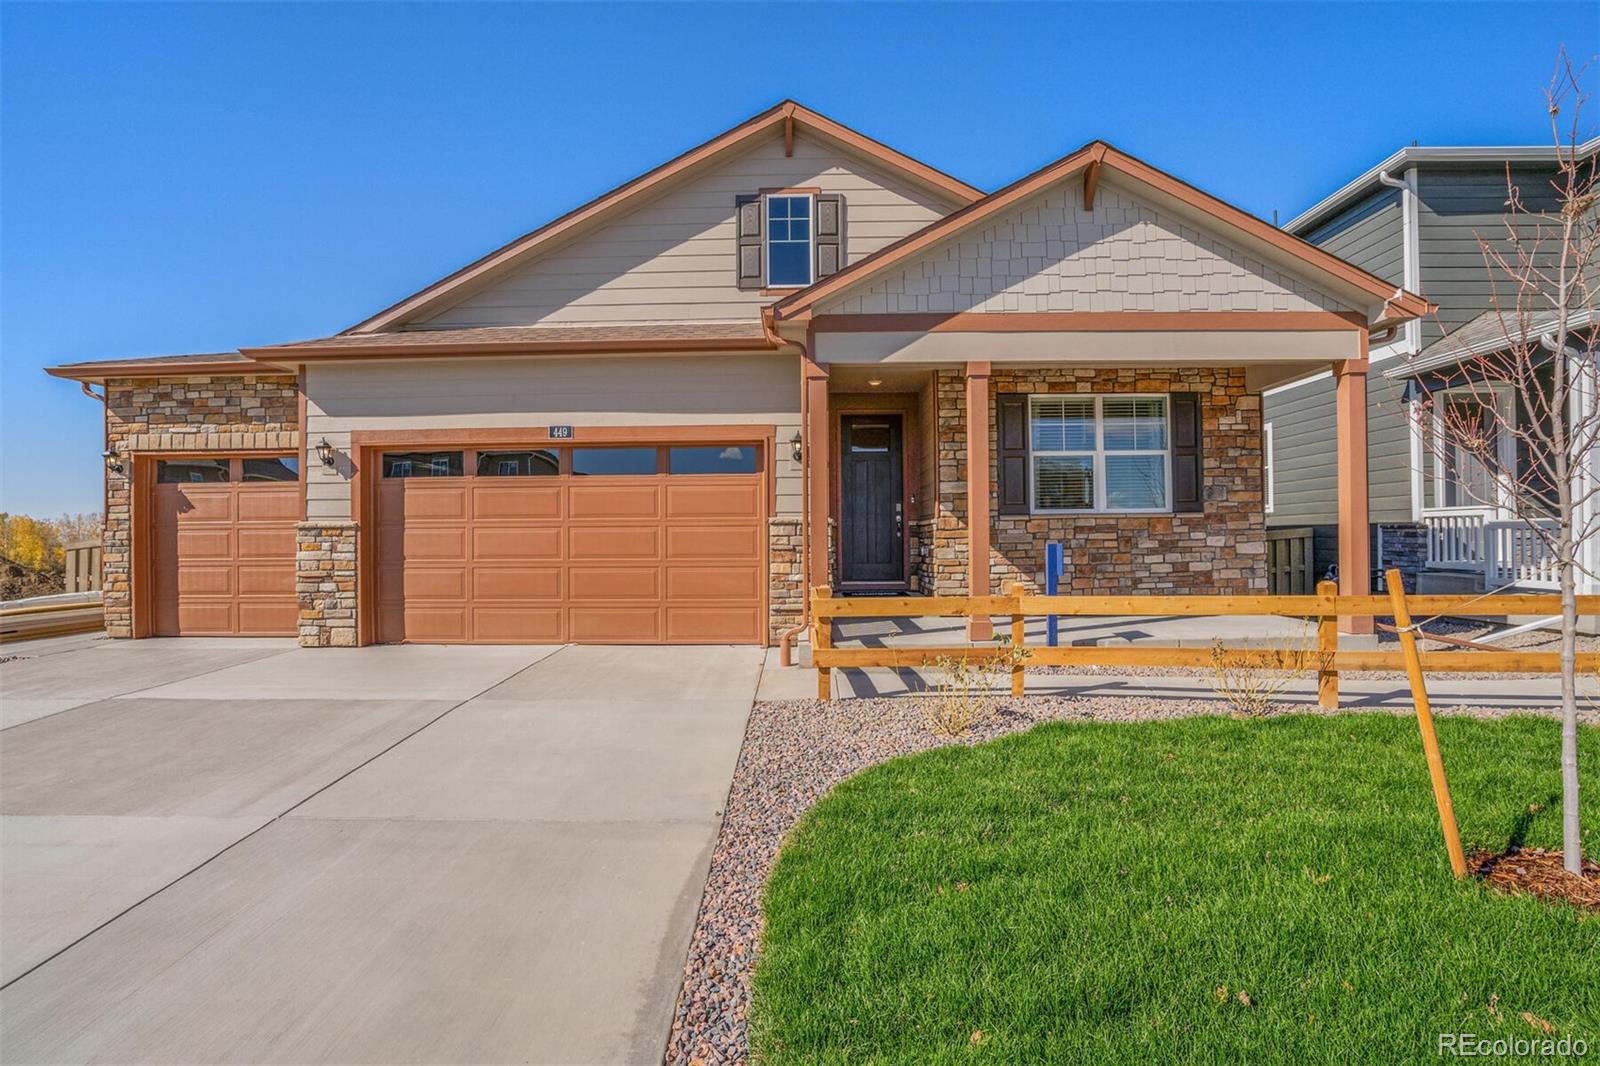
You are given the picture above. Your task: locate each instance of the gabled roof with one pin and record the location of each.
(1440, 155)
(785, 116)
(1492, 331)
(1090, 160)
(161, 366)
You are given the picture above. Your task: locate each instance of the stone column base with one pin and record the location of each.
(786, 577)
(325, 581)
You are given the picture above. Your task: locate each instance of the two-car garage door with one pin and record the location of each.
(608, 545)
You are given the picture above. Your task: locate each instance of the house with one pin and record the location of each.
(790, 356)
(1415, 220)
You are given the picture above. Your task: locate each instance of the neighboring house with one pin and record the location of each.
(789, 357)
(1414, 220)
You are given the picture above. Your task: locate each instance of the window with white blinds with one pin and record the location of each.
(1099, 453)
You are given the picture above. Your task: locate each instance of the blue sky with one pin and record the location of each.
(184, 178)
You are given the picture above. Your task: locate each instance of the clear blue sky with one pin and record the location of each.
(200, 177)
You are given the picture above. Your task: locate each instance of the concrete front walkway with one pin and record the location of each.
(245, 852)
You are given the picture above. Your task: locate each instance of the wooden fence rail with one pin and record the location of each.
(1322, 654)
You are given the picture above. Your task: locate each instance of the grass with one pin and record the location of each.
(1102, 893)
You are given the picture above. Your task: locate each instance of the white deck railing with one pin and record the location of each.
(1455, 537)
(1515, 554)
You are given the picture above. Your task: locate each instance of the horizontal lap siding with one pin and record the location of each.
(1369, 234)
(1305, 472)
(673, 259)
(534, 393)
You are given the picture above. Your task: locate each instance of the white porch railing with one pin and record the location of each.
(1515, 554)
(1455, 537)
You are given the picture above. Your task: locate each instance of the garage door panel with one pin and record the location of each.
(516, 542)
(615, 625)
(713, 582)
(266, 542)
(186, 505)
(433, 624)
(713, 542)
(411, 499)
(615, 583)
(423, 583)
(522, 502)
(516, 625)
(697, 498)
(258, 504)
(516, 583)
(619, 498)
(265, 580)
(613, 543)
(426, 544)
(195, 579)
(205, 618)
(267, 618)
(214, 542)
(726, 624)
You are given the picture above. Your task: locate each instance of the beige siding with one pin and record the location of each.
(673, 259)
(1051, 255)
(508, 393)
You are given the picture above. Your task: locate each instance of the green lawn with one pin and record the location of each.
(1081, 892)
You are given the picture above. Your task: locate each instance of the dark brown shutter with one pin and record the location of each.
(830, 235)
(751, 265)
(1012, 420)
(1188, 479)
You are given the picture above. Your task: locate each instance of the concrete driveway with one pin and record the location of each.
(239, 851)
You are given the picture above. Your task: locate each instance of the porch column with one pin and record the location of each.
(979, 627)
(814, 383)
(1350, 407)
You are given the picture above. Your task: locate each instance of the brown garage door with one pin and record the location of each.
(223, 546)
(615, 545)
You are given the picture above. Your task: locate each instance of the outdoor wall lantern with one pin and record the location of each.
(113, 461)
(325, 452)
(794, 446)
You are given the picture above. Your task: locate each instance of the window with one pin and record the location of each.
(1476, 452)
(284, 468)
(422, 464)
(1268, 467)
(716, 459)
(788, 240)
(191, 471)
(613, 460)
(1099, 453)
(543, 462)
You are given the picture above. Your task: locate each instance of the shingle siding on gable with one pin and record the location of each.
(1051, 255)
(674, 258)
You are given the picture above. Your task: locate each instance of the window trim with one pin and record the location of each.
(811, 239)
(1269, 469)
(1099, 454)
(1506, 445)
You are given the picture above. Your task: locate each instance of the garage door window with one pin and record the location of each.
(541, 463)
(282, 468)
(422, 464)
(191, 471)
(716, 459)
(612, 461)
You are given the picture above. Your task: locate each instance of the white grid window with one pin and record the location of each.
(788, 240)
(1099, 453)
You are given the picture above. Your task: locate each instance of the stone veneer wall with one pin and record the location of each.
(786, 576)
(325, 582)
(921, 532)
(1405, 547)
(181, 414)
(1220, 550)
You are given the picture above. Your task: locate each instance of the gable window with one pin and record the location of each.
(789, 234)
(1099, 453)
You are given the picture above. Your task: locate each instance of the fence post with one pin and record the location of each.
(821, 638)
(1055, 563)
(1430, 740)
(1327, 649)
(1019, 638)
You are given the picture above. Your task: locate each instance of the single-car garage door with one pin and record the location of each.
(223, 540)
(595, 545)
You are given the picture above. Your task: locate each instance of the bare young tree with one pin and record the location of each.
(1515, 421)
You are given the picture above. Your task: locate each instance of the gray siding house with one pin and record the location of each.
(1414, 220)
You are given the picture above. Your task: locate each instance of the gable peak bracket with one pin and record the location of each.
(1091, 182)
(788, 135)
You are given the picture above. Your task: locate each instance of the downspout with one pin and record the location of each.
(786, 638)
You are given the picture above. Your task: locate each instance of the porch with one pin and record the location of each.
(1490, 549)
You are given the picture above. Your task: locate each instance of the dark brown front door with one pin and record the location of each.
(871, 522)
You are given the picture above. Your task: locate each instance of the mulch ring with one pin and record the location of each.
(1537, 872)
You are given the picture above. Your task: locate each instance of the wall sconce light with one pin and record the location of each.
(874, 382)
(325, 452)
(113, 461)
(794, 446)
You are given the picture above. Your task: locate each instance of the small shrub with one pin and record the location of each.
(967, 693)
(1252, 680)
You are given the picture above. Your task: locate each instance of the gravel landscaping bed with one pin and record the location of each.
(794, 751)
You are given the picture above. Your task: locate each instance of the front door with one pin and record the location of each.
(871, 521)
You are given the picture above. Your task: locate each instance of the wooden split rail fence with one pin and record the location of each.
(1321, 652)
